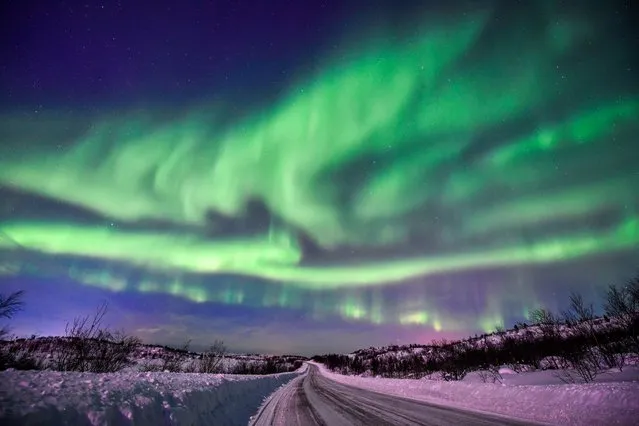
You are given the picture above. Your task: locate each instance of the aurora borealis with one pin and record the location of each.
(395, 174)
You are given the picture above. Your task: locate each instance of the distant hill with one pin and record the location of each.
(43, 352)
(577, 349)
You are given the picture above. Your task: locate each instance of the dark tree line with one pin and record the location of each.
(272, 365)
(575, 343)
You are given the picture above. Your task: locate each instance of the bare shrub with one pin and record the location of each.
(585, 365)
(613, 355)
(173, 358)
(490, 375)
(622, 303)
(21, 358)
(212, 358)
(89, 346)
(553, 362)
(453, 362)
(547, 322)
(577, 368)
(583, 352)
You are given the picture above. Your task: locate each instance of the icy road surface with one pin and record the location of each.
(313, 399)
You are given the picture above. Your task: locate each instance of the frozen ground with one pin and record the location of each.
(315, 400)
(536, 396)
(56, 398)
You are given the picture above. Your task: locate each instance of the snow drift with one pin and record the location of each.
(60, 398)
(605, 403)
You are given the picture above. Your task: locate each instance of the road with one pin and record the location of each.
(313, 399)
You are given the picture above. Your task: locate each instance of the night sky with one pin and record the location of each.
(315, 176)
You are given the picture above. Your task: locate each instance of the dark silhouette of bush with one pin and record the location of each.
(211, 359)
(91, 347)
(19, 358)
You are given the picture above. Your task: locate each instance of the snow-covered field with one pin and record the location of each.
(67, 398)
(127, 398)
(539, 396)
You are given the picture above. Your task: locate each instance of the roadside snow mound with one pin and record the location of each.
(590, 404)
(61, 398)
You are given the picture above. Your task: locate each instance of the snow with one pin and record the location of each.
(127, 398)
(150, 357)
(284, 392)
(553, 377)
(605, 402)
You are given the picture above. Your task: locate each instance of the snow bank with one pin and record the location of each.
(554, 377)
(62, 398)
(592, 404)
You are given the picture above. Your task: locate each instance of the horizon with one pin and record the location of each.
(194, 347)
(292, 177)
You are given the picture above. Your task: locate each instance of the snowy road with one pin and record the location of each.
(313, 399)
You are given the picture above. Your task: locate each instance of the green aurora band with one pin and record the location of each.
(266, 259)
(412, 111)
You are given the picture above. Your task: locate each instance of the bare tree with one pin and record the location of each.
(584, 354)
(544, 318)
(622, 304)
(11, 304)
(578, 311)
(212, 358)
